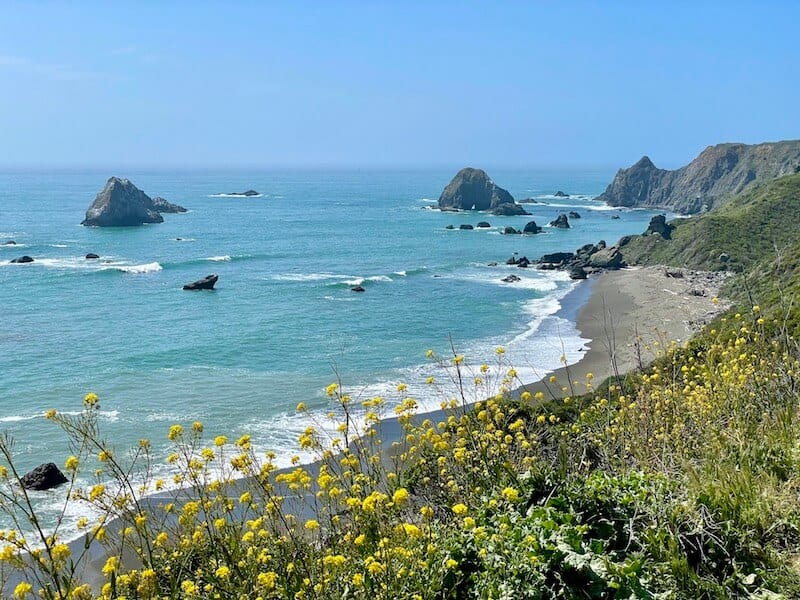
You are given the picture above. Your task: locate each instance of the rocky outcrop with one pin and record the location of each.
(357, 288)
(22, 260)
(531, 227)
(716, 174)
(10, 243)
(589, 258)
(607, 258)
(560, 194)
(511, 231)
(483, 225)
(121, 204)
(247, 194)
(510, 279)
(472, 189)
(92, 256)
(465, 226)
(658, 224)
(561, 222)
(573, 214)
(160, 205)
(509, 210)
(206, 283)
(43, 477)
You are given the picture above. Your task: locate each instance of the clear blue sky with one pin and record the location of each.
(367, 84)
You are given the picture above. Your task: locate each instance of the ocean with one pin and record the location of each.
(283, 322)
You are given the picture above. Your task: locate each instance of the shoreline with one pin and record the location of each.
(611, 310)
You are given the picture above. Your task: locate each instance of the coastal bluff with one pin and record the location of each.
(473, 189)
(718, 173)
(121, 204)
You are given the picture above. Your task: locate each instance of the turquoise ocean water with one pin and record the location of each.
(283, 319)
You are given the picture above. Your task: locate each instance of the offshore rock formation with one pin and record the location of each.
(718, 173)
(472, 189)
(43, 477)
(122, 204)
(206, 283)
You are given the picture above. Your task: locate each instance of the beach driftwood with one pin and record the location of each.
(207, 283)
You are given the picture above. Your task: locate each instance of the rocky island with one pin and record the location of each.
(473, 189)
(122, 204)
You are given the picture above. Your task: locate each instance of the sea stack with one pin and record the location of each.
(473, 189)
(122, 204)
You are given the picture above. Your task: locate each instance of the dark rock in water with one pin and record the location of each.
(561, 222)
(492, 264)
(524, 262)
(615, 216)
(483, 225)
(207, 283)
(510, 279)
(472, 189)
(449, 227)
(557, 258)
(22, 260)
(511, 231)
(121, 204)
(43, 477)
(512, 261)
(465, 226)
(560, 194)
(531, 227)
(246, 194)
(509, 210)
(607, 258)
(528, 201)
(574, 215)
(158, 204)
(601, 244)
(92, 256)
(10, 243)
(577, 273)
(358, 288)
(659, 225)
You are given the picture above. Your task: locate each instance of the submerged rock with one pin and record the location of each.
(483, 225)
(511, 279)
(465, 226)
(22, 260)
(43, 477)
(10, 243)
(207, 283)
(560, 194)
(246, 194)
(509, 210)
(357, 288)
(574, 214)
(92, 256)
(511, 231)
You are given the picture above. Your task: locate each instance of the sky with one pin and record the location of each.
(392, 84)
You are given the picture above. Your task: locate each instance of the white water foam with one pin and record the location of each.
(223, 258)
(139, 269)
(309, 276)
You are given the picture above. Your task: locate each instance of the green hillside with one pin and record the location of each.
(751, 228)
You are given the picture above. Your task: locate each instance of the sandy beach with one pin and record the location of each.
(628, 311)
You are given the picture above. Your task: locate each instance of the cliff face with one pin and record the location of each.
(718, 173)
